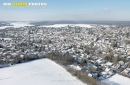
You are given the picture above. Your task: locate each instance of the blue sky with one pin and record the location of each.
(102, 10)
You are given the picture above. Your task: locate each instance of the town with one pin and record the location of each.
(101, 51)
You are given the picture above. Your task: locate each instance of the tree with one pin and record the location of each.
(115, 60)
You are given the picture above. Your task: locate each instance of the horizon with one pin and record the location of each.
(65, 20)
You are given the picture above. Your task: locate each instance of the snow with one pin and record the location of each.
(109, 63)
(63, 25)
(75, 67)
(117, 80)
(21, 24)
(38, 72)
(6, 38)
(84, 25)
(3, 27)
(56, 25)
(17, 25)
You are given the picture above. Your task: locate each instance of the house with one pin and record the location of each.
(21, 56)
(99, 61)
(90, 75)
(75, 67)
(109, 64)
(127, 70)
(104, 74)
(121, 62)
(78, 60)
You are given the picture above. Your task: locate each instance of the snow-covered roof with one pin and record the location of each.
(75, 67)
(109, 63)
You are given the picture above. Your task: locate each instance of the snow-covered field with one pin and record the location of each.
(21, 24)
(17, 24)
(117, 80)
(3, 27)
(63, 25)
(38, 72)
(84, 25)
(6, 38)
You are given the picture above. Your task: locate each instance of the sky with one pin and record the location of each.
(95, 10)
